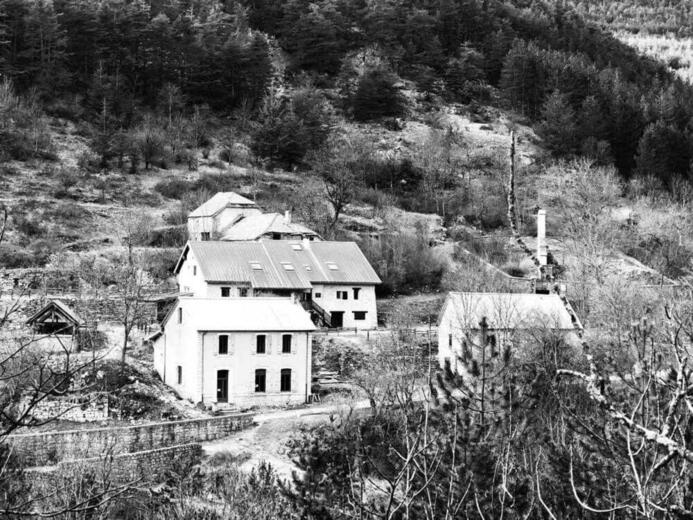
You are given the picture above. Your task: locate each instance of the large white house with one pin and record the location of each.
(218, 214)
(332, 280)
(236, 351)
(470, 320)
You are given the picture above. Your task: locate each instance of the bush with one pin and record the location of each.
(377, 96)
(174, 188)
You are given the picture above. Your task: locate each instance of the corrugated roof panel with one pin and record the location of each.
(508, 310)
(246, 314)
(253, 227)
(220, 201)
(223, 261)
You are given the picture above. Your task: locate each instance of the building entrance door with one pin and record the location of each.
(222, 386)
(337, 319)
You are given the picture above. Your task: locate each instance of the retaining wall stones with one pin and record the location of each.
(47, 448)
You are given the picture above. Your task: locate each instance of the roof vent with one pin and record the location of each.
(256, 266)
(297, 247)
(332, 266)
(288, 266)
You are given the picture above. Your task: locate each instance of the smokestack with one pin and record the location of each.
(541, 236)
(287, 217)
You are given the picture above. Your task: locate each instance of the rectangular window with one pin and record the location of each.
(286, 343)
(260, 343)
(260, 380)
(225, 292)
(194, 270)
(359, 315)
(285, 381)
(243, 292)
(180, 315)
(223, 344)
(179, 375)
(356, 293)
(318, 295)
(342, 295)
(205, 235)
(449, 340)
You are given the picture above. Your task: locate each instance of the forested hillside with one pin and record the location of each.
(289, 69)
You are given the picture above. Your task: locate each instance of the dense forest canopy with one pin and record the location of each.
(119, 59)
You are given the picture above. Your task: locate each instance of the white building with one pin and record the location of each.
(508, 318)
(236, 352)
(218, 214)
(332, 280)
(269, 226)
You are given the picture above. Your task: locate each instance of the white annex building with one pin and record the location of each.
(218, 214)
(331, 280)
(505, 318)
(236, 351)
(230, 216)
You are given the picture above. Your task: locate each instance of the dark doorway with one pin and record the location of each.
(222, 386)
(337, 319)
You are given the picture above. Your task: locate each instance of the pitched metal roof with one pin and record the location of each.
(244, 314)
(253, 227)
(220, 201)
(285, 264)
(62, 309)
(504, 311)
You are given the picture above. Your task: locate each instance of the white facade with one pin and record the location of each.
(211, 227)
(355, 302)
(190, 357)
(511, 319)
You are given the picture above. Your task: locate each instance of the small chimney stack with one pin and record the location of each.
(541, 236)
(287, 217)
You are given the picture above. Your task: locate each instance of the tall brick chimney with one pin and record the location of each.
(541, 236)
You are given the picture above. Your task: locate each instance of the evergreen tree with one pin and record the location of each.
(558, 127)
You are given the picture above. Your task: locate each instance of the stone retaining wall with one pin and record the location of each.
(140, 467)
(46, 448)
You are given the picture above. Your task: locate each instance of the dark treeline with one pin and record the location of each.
(587, 92)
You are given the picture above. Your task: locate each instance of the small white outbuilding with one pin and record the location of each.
(236, 351)
(468, 320)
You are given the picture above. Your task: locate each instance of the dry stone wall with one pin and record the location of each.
(47, 448)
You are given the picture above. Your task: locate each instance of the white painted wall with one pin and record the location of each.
(213, 225)
(198, 355)
(366, 302)
(242, 361)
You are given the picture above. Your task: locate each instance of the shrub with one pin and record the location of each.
(174, 188)
(378, 96)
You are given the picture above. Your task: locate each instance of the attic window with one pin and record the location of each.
(332, 266)
(296, 247)
(288, 266)
(256, 266)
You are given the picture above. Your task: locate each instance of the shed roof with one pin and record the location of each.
(61, 308)
(220, 201)
(244, 314)
(283, 264)
(504, 311)
(253, 227)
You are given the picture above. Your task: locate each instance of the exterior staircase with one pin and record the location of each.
(320, 316)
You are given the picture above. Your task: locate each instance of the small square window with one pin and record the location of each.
(225, 292)
(332, 266)
(205, 236)
(318, 295)
(286, 343)
(260, 380)
(256, 266)
(223, 344)
(359, 315)
(243, 292)
(285, 382)
(260, 344)
(288, 266)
